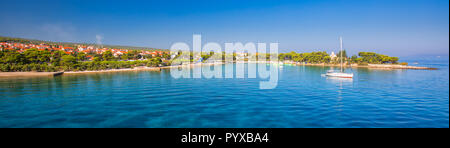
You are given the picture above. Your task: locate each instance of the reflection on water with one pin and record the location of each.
(340, 81)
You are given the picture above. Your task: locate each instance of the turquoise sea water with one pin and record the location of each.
(303, 98)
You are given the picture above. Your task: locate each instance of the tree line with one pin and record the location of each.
(51, 61)
(314, 57)
(373, 58)
(324, 57)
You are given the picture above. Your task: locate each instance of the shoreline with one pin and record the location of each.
(29, 74)
(117, 70)
(370, 66)
(158, 69)
(373, 66)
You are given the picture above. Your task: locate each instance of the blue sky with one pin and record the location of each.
(394, 27)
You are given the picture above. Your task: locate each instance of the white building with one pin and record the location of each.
(333, 56)
(117, 54)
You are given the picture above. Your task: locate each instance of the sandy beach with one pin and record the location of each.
(30, 74)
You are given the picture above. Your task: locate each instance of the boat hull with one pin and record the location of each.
(340, 75)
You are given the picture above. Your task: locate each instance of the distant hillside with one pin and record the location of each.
(31, 41)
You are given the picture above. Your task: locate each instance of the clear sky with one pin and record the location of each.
(394, 27)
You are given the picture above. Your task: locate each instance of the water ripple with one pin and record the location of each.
(375, 98)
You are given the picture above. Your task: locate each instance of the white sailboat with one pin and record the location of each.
(339, 74)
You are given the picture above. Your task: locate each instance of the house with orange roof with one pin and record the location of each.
(117, 53)
(67, 48)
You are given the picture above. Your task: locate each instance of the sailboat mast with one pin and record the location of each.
(340, 39)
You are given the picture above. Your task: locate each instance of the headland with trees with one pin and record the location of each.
(41, 56)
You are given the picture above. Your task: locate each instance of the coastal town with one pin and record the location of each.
(20, 47)
(21, 55)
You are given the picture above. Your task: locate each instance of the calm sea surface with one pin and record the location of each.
(303, 98)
